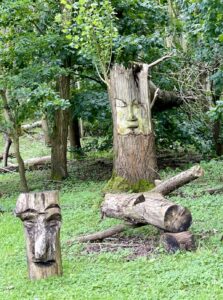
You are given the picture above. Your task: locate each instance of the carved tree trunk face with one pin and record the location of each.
(41, 216)
(133, 138)
(131, 102)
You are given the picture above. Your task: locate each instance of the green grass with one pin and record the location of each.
(110, 275)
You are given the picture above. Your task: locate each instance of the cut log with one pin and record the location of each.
(173, 183)
(102, 234)
(151, 208)
(41, 216)
(178, 241)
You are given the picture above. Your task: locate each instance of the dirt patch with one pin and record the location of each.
(137, 246)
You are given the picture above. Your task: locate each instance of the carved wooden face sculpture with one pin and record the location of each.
(132, 117)
(132, 105)
(41, 216)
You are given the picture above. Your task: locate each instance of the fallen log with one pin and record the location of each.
(100, 235)
(27, 127)
(31, 164)
(178, 241)
(213, 191)
(151, 208)
(167, 186)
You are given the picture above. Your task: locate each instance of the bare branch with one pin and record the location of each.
(155, 97)
(156, 62)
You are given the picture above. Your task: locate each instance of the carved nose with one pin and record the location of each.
(41, 246)
(131, 115)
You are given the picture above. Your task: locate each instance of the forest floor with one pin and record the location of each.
(131, 265)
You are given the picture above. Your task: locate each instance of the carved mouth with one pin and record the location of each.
(133, 125)
(47, 263)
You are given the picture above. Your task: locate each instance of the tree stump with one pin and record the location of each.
(178, 241)
(153, 209)
(41, 216)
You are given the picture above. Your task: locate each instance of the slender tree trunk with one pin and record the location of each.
(8, 143)
(135, 165)
(46, 131)
(60, 133)
(217, 137)
(23, 181)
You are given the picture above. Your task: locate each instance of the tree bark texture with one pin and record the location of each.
(41, 216)
(134, 142)
(60, 133)
(152, 209)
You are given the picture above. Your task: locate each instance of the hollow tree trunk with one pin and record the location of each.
(135, 165)
(22, 171)
(60, 133)
(8, 143)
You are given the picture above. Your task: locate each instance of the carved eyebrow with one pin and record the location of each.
(29, 210)
(52, 206)
(54, 215)
(121, 100)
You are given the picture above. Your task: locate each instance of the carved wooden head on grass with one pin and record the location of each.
(41, 216)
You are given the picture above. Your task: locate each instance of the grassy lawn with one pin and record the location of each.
(111, 274)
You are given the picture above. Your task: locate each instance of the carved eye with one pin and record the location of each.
(120, 103)
(29, 223)
(53, 223)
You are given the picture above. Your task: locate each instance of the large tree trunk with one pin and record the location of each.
(60, 133)
(135, 165)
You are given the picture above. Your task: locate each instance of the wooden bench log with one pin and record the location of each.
(151, 209)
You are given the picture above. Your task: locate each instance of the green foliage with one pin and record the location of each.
(93, 107)
(178, 130)
(140, 30)
(97, 144)
(92, 31)
(216, 113)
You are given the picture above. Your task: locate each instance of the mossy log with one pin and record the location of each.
(151, 209)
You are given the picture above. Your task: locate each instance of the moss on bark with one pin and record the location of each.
(120, 184)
